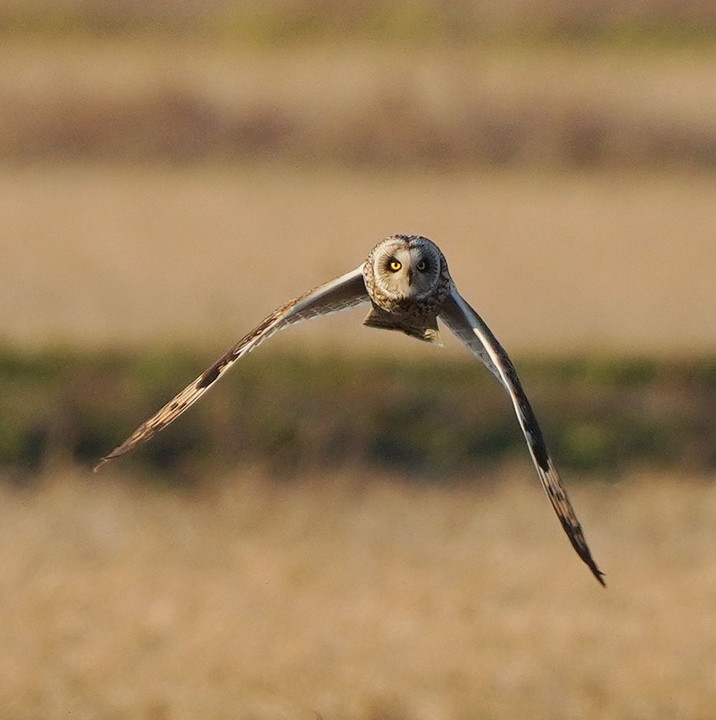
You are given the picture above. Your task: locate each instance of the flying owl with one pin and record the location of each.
(407, 284)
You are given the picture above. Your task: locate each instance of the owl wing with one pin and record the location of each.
(469, 327)
(340, 294)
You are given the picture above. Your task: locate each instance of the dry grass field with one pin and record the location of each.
(161, 188)
(157, 188)
(363, 104)
(355, 597)
(557, 262)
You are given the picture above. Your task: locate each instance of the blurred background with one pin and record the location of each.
(349, 526)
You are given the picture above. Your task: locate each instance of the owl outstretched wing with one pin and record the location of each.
(340, 294)
(469, 327)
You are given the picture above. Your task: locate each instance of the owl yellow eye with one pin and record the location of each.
(422, 265)
(395, 265)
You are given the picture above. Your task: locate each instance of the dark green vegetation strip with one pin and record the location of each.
(297, 413)
(282, 21)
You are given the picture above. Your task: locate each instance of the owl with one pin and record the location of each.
(406, 282)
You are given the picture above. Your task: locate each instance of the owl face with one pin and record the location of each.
(406, 266)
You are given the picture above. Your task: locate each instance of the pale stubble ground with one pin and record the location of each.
(557, 263)
(355, 597)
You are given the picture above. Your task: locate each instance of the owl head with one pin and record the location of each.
(406, 267)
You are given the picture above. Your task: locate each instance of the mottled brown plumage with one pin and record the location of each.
(406, 299)
(407, 282)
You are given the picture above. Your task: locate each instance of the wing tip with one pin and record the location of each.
(595, 570)
(111, 456)
(102, 463)
(600, 577)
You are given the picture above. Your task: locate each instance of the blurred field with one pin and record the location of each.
(168, 175)
(297, 413)
(287, 21)
(556, 262)
(170, 172)
(359, 104)
(354, 597)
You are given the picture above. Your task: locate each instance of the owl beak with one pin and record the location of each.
(410, 276)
